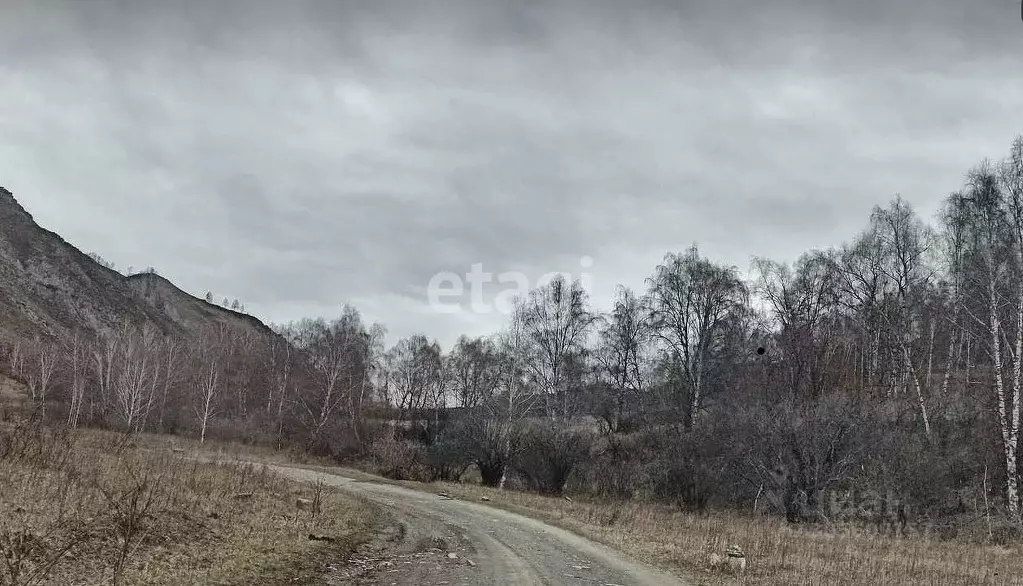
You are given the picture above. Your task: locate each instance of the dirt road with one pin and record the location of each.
(438, 541)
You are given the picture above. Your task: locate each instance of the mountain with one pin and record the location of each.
(186, 311)
(50, 288)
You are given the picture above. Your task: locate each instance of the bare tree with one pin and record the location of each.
(39, 371)
(104, 357)
(247, 359)
(207, 378)
(282, 363)
(690, 301)
(803, 300)
(514, 403)
(371, 357)
(992, 249)
(624, 338)
(556, 320)
(16, 358)
(474, 368)
(905, 242)
(1010, 179)
(137, 367)
(171, 368)
(954, 238)
(76, 357)
(414, 377)
(338, 354)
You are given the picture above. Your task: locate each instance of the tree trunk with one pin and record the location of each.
(1005, 419)
(1017, 389)
(930, 359)
(950, 362)
(919, 393)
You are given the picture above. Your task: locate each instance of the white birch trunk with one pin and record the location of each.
(1005, 419)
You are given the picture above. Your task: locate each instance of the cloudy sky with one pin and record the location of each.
(298, 155)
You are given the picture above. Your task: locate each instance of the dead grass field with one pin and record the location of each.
(777, 553)
(99, 509)
(249, 540)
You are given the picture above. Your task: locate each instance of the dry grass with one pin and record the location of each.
(777, 553)
(95, 509)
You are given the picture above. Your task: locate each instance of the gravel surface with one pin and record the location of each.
(433, 540)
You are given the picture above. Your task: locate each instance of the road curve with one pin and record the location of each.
(454, 542)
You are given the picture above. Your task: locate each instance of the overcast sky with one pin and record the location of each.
(298, 155)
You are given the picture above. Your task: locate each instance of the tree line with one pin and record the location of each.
(878, 381)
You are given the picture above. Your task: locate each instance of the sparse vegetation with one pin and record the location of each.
(857, 411)
(101, 508)
(777, 552)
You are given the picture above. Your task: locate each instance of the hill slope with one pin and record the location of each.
(50, 288)
(186, 311)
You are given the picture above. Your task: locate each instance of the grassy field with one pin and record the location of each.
(97, 508)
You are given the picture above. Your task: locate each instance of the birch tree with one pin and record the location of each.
(39, 372)
(621, 355)
(690, 301)
(803, 300)
(104, 357)
(172, 376)
(905, 243)
(414, 377)
(556, 320)
(954, 224)
(77, 363)
(207, 379)
(1010, 181)
(497, 430)
(282, 363)
(474, 371)
(337, 353)
(993, 252)
(136, 368)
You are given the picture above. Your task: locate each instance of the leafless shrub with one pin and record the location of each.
(400, 459)
(319, 489)
(28, 557)
(549, 455)
(130, 511)
(30, 442)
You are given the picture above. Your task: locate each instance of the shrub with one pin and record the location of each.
(549, 455)
(447, 459)
(687, 470)
(614, 469)
(400, 460)
(489, 444)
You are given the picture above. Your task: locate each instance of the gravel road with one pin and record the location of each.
(432, 540)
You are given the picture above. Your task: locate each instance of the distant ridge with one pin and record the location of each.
(50, 288)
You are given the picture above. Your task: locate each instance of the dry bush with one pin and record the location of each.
(549, 454)
(447, 458)
(106, 511)
(488, 444)
(400, 459)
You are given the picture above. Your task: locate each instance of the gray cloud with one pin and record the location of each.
(298, 155)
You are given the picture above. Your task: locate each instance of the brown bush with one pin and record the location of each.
(549, 454)
(400, 459)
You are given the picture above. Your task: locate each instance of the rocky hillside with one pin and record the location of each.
(187, 311)
(50, 288)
